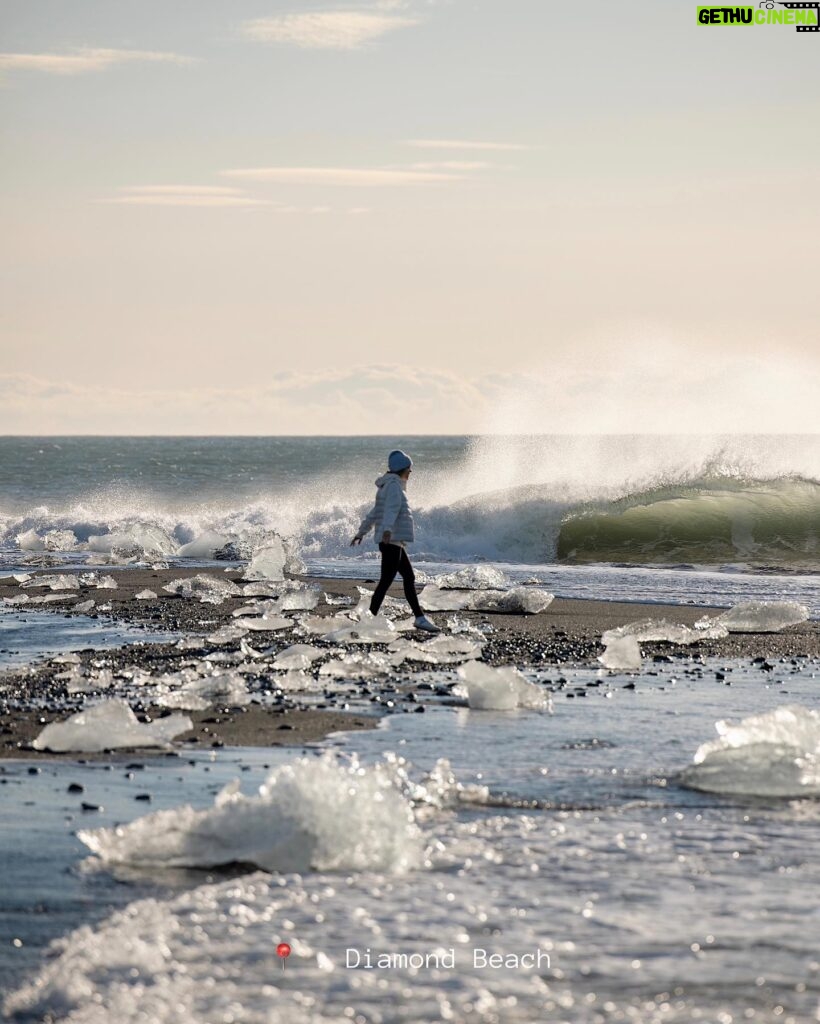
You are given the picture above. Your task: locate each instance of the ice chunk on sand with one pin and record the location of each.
(30, 540)
(774, 754)
(137, 540)
(758, 617)
(84, 606)
(292, 601)
(190, 643)
(464, 627)
(103, 680)
(501, 689)
(295, 680)
(299, 600)
(58, 581)
(223, 688)
(443, 650)
(660, 630)
(146, 595)
(474, 577)
(59, 540)
(268, 562)
(226, 635)
(390, 606)
(256, 608)
(621, 655)
(17, 599)
(106, 583)
(518, 601)
(371, 629)
(206, 589)
(108, 726)
(321, 625)
(272, 588)
(359, 665)
(204, 546)
(315, 814)
(249, 652)
(440, 600)
(265, 623)
(297, 656)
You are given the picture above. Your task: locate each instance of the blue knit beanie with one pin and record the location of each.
(398, 461)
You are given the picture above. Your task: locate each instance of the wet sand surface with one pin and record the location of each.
(567, 632)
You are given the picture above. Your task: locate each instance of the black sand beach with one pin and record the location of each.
(568, 632)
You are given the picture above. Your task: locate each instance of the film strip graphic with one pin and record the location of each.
(814, 5)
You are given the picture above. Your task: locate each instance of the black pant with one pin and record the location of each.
(394, 559)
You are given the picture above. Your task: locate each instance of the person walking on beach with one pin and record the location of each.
(392, 521)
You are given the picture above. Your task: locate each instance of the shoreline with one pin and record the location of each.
(567, 632)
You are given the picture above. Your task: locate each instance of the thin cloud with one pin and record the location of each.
(452, 165)
(361, 399)
(85, 60)
(184, 195)
(508, 147)
(353, 176)
(325, 30)
(171, 190)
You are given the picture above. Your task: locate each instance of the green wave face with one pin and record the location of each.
(775, 522)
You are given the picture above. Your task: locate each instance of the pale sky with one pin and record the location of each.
(378, 217)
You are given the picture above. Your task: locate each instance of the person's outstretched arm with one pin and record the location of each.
(365, 527)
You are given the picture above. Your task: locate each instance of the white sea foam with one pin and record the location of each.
(312, 815)
(775, 754)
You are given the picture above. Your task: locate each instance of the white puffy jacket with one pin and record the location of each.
(390, 512)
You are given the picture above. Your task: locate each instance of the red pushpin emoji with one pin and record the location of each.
(283, 952)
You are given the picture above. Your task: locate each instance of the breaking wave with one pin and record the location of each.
(708, 521)
(769, 522)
